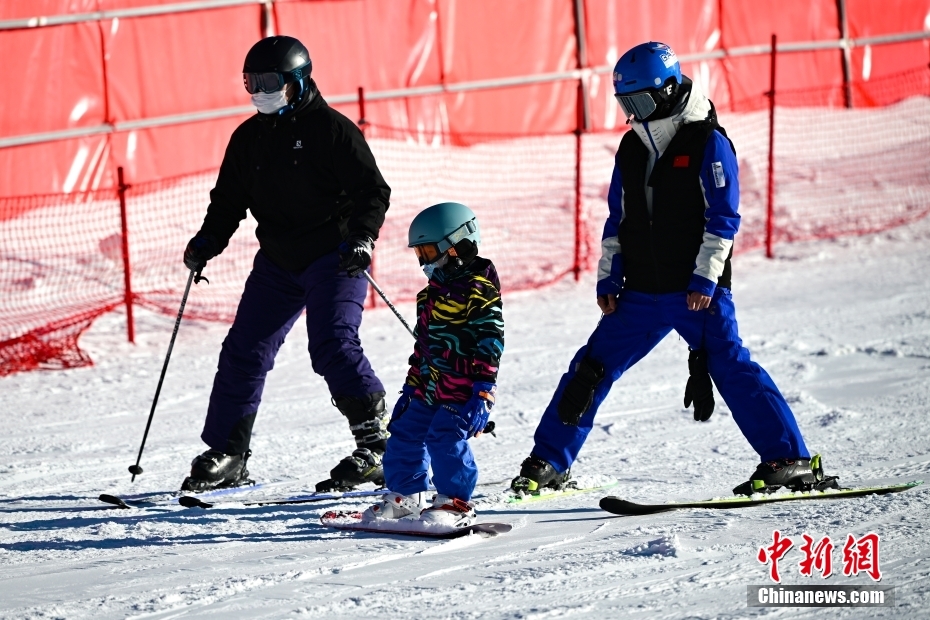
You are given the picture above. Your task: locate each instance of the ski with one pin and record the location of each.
(162, 498)
(193, 501)
(114, 500)
(352, 521)
(570, 488)
(169, 498)
(620, 506)
(575, 486)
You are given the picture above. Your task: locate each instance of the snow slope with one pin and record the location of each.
(843, 327)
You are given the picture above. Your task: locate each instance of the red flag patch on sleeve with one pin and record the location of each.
(681, 161)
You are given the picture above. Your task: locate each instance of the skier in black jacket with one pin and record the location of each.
(307, 175)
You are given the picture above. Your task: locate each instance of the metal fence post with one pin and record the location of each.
(267, 20)
(770, 206)
(845, 55)
(581, 49)
(372, 300)
(127, 272)
(361, 109)
(579, 220)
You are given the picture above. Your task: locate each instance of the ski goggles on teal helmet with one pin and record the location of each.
(444, 224)
(427, 253)
(430, 252)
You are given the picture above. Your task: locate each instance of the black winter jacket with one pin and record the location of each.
(309, 179)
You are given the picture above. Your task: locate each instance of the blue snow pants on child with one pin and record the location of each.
(640, 321)
(271, 303)
(425, 435)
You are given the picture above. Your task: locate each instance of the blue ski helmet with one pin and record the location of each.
(444, 224)
(646, 77)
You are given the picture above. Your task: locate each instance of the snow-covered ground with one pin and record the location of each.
(843, 327)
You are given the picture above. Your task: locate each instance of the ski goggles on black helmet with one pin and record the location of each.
(272, 81)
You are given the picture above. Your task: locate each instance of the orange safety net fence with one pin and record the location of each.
(838, 171)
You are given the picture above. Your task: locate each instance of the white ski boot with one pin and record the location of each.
(396, 506)
(450, 512)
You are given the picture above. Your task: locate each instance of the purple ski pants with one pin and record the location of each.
(271, 303)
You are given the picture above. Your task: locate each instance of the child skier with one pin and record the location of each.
(449, 391)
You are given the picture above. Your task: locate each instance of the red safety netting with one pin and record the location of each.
(522, 188)
(62, 264)
(842, 171)
(129, 71)
(60, 267)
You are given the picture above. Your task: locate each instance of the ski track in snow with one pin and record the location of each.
(843, 326)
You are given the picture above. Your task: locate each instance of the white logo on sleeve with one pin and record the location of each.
(298, 145)
(720, 180)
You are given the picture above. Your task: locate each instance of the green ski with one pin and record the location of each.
(546, 494)
(620, 506)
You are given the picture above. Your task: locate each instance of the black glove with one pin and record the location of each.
(199, 250)
(700, 389)
(355, 255)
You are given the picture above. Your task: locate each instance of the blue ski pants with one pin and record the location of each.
(271, 303)
(425, 435)
(640, 321)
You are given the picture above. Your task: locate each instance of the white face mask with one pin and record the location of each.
(429, 268)
(269, 103)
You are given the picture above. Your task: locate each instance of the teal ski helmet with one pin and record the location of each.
(443, 225)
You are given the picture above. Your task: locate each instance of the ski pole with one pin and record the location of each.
(135, 470)
(388, 302)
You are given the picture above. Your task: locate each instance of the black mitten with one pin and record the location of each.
(578, 395)
(700, 389)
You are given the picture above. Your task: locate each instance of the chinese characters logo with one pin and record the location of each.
(859, 556)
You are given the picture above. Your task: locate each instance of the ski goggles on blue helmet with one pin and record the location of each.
(638, 105)
(273, 81)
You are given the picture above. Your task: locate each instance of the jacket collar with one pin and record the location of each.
(694, 107)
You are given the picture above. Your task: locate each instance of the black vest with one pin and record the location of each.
(659, 252)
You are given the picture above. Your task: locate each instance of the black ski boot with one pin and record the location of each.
(793, 474)
(362, 466)
(535, 474)
(214, 469)
(368, 423)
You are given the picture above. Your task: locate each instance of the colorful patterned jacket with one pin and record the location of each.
(460, 333)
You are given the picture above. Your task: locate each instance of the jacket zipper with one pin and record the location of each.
(652, 250)
(652, 244)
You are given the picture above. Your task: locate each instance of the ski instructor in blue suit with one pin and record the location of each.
(665, 265)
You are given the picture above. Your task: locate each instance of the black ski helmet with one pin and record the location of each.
(274, 62)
